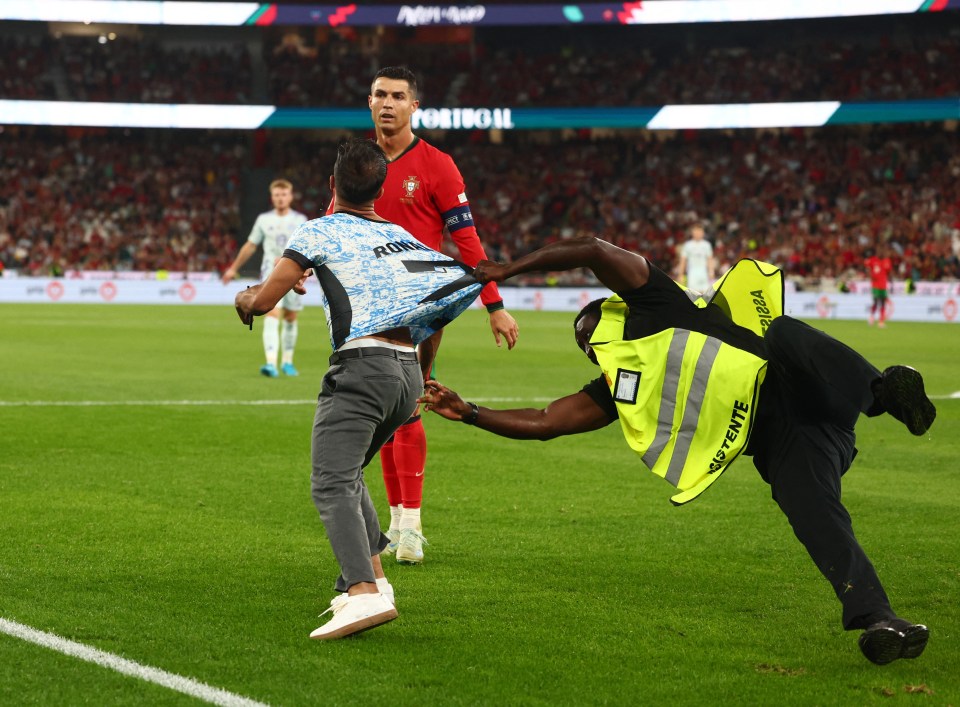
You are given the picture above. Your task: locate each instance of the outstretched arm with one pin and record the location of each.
(262, 298)
(618, 269)
(567, 416)
(246, 252)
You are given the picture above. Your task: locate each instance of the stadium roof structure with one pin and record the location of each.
(668, 117)
(157, 12)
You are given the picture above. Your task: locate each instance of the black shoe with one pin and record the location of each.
(885, 641)
(901, 394)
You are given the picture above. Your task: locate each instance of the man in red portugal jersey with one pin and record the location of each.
(425, 194)
(879, 267)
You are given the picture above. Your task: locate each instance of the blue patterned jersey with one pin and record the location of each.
(375, 276)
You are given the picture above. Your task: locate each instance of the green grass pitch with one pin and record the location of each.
(183, 536)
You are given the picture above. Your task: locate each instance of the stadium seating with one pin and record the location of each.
(608, 66)
(814, 200)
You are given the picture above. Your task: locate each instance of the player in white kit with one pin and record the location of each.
(272, 230)
(696, 261)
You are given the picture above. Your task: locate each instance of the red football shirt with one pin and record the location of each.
(424, 193)
(879, 269)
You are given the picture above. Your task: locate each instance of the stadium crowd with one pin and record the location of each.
(91, 68)
(545, 74)
(99, 200)
(147, 71)
(815, 201)
(495, 66)
(25, 68)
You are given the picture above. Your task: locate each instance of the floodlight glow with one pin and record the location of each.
(132, 115)
(744, 115)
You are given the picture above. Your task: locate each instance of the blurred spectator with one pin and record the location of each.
(25, 68)
(150, 72)
(811, 200)
(105, 201)
(894, 58)
(617, 66)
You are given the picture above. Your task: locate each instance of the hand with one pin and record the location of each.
(245, 317)
(242, 302)
(502, 322)
(300, 288)
(443, 401)
(489, 271)
(228, 275)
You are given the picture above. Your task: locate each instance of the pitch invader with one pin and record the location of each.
(424, 193)
(272, 230)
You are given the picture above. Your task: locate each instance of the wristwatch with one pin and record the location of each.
(471, 417)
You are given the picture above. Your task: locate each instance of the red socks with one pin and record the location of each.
(410, 458)
(390, 480)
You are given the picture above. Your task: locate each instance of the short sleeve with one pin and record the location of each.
(303, 247)
(449, 190)
(599, 392)
(300, 259)
(256, 233)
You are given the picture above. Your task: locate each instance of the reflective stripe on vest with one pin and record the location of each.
(691, 413)
(668, 399)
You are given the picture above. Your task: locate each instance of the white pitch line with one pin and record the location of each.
(188, 403)
(312, 401)
(179, 683)
(142, 403)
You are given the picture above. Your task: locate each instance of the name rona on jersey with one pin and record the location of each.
(398, 247)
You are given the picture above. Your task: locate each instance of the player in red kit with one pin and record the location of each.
(425, 194)
(879, 267)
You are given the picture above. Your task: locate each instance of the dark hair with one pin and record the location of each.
(359, 170)
(399, 73)
(591, 309)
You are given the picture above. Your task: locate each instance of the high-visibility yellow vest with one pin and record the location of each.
(687, 401)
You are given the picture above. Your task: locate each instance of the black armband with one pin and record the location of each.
(494, 307)
(471, 418)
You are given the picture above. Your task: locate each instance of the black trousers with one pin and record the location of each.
(803, 443)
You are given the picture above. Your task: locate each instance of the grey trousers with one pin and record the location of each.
(366, 395)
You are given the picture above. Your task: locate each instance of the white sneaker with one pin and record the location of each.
(383, 584)
(410, 548)
(353, 614)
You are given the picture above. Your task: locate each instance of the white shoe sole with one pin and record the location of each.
(358, 626)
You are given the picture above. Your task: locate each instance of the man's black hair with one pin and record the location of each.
(592, 308)
(400, 73)
(359, 170)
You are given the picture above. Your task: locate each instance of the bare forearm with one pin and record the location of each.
(253, 301)
(617, 269)
(566, 416)
(246, 252)
(522, 423)
(427, 353)
(562, 255)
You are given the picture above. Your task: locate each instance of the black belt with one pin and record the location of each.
(362, 351)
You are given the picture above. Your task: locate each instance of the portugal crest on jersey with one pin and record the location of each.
(410, 185)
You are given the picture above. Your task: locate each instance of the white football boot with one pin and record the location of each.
(410, 547)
